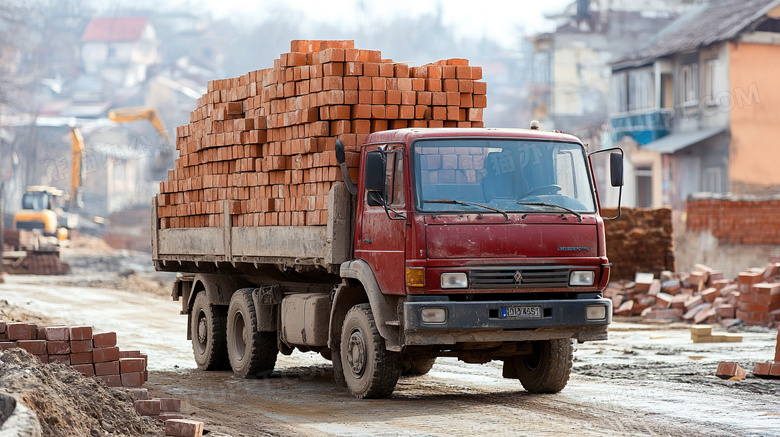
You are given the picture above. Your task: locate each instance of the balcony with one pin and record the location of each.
(643, 126)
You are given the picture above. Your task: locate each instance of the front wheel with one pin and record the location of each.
(370, 370)
(547, 368)
(252, 354)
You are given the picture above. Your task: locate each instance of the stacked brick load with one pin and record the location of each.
(90, 354)
(265, 141)
(702, 296)
(641, 240)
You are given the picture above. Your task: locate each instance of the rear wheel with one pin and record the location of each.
(547, 368)
(370, 370)
(207, 328)
(252, 354)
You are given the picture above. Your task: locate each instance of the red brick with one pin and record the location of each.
(43, 358)
(2, 327)
(107, 368)
(105, 339)
(81, 358)
(728, 370)
(170, 416)
(138, 393)
(726, 311)
(128, 365)
(709, 294)
(129, 354)
(5, 345)
(18, 331)
(103, 354)
(183, 428)
(111, 380)
(57, 333)
(150, 407)
(80, 346)
(40, 333)
(777, 348)
(762, 369)
(35, 347)
(670, 313)
(81, 333)
(170, 405)
(625, 308)
(132, 379)
(84, 369)
(58, 347)
(664, 300)
(65, 359)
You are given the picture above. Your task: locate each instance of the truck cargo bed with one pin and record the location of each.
(184, 249)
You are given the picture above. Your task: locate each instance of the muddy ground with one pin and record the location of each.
(646, 380)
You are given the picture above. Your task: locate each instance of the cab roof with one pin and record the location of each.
(410, 134)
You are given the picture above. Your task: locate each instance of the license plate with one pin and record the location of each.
(522, 312)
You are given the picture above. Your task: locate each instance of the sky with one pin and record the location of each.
(501, 20)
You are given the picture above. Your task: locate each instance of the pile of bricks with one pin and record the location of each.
(90, 354)
(702, 296)
(167, 410)
(264, 142)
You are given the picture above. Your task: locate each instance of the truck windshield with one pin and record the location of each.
(508, 175)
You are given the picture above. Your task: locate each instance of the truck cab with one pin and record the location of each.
(493, 242)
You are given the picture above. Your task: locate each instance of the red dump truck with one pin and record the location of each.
(480, 244)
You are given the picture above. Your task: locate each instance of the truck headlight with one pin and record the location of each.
(454, 280)
(433, 315)
(580, 278)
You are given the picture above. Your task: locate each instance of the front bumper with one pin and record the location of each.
(468, 322)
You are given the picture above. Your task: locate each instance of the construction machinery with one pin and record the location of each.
(163, 159)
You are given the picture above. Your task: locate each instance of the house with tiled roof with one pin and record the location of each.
(120, 49)
(699, 106)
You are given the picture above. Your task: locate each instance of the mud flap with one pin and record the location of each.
(510, 369)
(267, 299)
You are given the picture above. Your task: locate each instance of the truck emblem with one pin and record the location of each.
(518, 277)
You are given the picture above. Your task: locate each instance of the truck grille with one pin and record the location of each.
(519, 277)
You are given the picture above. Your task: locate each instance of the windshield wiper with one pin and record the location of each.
(460, 202)
(579, 216)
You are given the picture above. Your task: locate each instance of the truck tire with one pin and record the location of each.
(547, 368)
(207, 328)
(417, 366)
(252, 354)
(369, 369)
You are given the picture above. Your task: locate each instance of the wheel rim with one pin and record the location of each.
(239, 336)
(356, 353)
(203, 332)
(533, 362)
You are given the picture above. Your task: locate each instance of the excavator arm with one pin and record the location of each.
(164, 156)
(77, 169)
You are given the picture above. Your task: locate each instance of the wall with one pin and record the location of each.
(756, 108)
(735, 220)
(640, 241)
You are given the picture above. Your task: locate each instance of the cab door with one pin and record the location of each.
(381, 239)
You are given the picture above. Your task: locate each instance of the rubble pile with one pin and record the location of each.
(702, 296)
(25, 254)
(66, 403)
(89, 354)
(260, 147)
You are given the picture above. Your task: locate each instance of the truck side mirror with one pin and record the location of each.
(616, 169)
(341, 158)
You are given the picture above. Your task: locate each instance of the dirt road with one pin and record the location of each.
(646, 380)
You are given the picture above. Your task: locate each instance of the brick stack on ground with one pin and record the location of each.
(90, 354)
(770, 369)
(702, 296)
(262, 145)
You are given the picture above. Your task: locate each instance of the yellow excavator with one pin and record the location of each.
(42, 206)
(163, 160)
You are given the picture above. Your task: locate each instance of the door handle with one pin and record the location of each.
(368, 240)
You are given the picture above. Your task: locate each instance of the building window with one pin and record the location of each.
(619, 100)
(640, 90)
(690, 83)
(712, 180)
(644, 187)
(111, 54)
(710, 79)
